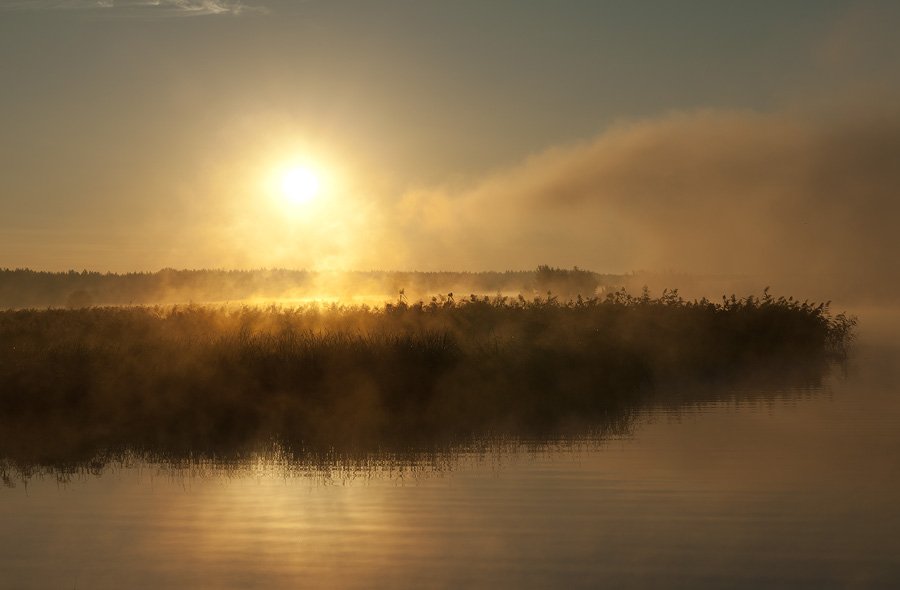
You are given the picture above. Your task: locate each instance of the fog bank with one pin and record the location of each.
(806, 200)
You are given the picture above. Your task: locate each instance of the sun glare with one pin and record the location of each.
(299, 185)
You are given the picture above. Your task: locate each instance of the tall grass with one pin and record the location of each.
(191, 380)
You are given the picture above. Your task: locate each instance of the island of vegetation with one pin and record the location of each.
(202, 380)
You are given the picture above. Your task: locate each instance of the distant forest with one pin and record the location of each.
(24, 288)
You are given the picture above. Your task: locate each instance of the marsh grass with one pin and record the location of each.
(190, 381)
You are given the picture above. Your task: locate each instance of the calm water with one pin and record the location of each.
(797, 490)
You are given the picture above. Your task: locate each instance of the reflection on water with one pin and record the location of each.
(771, 490)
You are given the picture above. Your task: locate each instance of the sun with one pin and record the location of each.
(299, 185)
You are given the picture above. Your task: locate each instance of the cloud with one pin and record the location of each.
(786, 193)
(155, 8)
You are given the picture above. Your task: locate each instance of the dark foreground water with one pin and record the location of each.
(784, 489)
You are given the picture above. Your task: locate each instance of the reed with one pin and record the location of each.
(197, 379)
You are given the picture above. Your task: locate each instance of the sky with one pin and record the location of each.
(695, 136)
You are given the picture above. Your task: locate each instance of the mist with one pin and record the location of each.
(807, 201)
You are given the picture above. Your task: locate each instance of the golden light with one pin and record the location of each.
(304, 211)
(299, 185)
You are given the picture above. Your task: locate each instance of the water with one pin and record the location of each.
(791, 490)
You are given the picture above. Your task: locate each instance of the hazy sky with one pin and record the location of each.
(708, 135)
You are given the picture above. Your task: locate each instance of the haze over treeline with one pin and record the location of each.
(24, 288)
